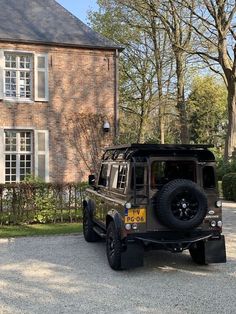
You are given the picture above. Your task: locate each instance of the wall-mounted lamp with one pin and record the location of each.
(106, 127)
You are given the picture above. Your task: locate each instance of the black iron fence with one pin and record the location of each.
(41, 203)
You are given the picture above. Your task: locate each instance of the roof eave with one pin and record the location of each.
(56, 44)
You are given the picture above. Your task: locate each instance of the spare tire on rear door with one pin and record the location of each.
(182, 205)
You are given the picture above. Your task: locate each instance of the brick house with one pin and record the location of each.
(53, 70)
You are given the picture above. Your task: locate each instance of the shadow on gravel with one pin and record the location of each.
(68, 275)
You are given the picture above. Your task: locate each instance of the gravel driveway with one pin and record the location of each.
(65, 274)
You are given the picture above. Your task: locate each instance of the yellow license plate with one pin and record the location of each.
(137, 215)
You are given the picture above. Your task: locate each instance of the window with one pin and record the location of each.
(122, 177)
(23, 76)
(165, 171)
(18, 76)
(18, 155)
(114, 176)
(139, 178)
(209, 177)
(103, 175)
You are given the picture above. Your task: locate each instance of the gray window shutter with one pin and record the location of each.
(1, 73)
(2, 157)
(42, 154)
(41, 77)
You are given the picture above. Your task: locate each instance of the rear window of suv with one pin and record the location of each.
(164, 171)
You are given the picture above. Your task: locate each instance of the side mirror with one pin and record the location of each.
(91, 180)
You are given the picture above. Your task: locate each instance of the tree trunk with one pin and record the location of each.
(230, 144)
(141, 131)
(181, 105)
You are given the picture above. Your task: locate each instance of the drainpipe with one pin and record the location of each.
(116, 133)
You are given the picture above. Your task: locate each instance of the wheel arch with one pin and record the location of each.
(90, 205)
(114, 216)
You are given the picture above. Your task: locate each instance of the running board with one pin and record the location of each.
(99, 232)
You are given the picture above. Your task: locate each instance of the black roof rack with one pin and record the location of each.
(159, 146)
(130, 150)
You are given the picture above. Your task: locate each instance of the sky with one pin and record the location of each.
(79, 7)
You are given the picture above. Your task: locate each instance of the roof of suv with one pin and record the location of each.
(127, 152)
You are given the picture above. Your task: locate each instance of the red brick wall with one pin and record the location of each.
(80, 81)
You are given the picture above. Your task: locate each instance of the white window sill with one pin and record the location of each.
(18, 101)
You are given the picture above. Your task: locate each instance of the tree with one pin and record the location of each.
(146, 65)
(216, 45)
(171, 15)
(207, 110)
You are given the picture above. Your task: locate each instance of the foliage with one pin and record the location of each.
(87, 139)
(146, 68)
(37, 202)
(163, 40)
(229, 186)
(225, 167)
(215, 43)
(207, 103)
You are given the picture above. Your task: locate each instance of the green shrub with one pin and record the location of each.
(229, 186)
(225, 167)
(34, 201)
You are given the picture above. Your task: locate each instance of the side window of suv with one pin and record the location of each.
(208, 177)
(103, 175)
(114, 176)
(139, 178)
(122, 172)
(118, 177)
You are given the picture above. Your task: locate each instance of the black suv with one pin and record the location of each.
(155, 197)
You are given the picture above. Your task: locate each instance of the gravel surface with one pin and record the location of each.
(65, 274)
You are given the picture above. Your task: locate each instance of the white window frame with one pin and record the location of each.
(18, 54)
(34, 79)
(18, 152)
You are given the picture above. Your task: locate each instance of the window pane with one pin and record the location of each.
(42, 166)
(10, 60)
(10, 169)
(25, 167)
(166, 171)
(10, 141)
(17, 165)
(103, 175)
(25, 141)
(18, 72)
(41, 62)
(41, 141)
(41, 85)
(209, 177)
(139, 178)
(122, 177)
(114, 176)
(25, 85)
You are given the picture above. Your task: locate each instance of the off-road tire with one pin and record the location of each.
(169, 211)
(197, 253)
(113, 247)
(89, 234)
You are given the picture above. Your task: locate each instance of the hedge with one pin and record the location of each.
(29, 203)
(229, 186)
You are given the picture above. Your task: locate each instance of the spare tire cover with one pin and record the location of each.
(182, 205)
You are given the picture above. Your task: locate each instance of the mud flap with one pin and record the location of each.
(132, 257)
(215, 251)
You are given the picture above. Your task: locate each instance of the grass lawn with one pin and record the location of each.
(39, 230)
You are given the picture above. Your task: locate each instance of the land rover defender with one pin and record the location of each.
(151, 196)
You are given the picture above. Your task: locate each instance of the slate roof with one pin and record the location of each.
(46, 22)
